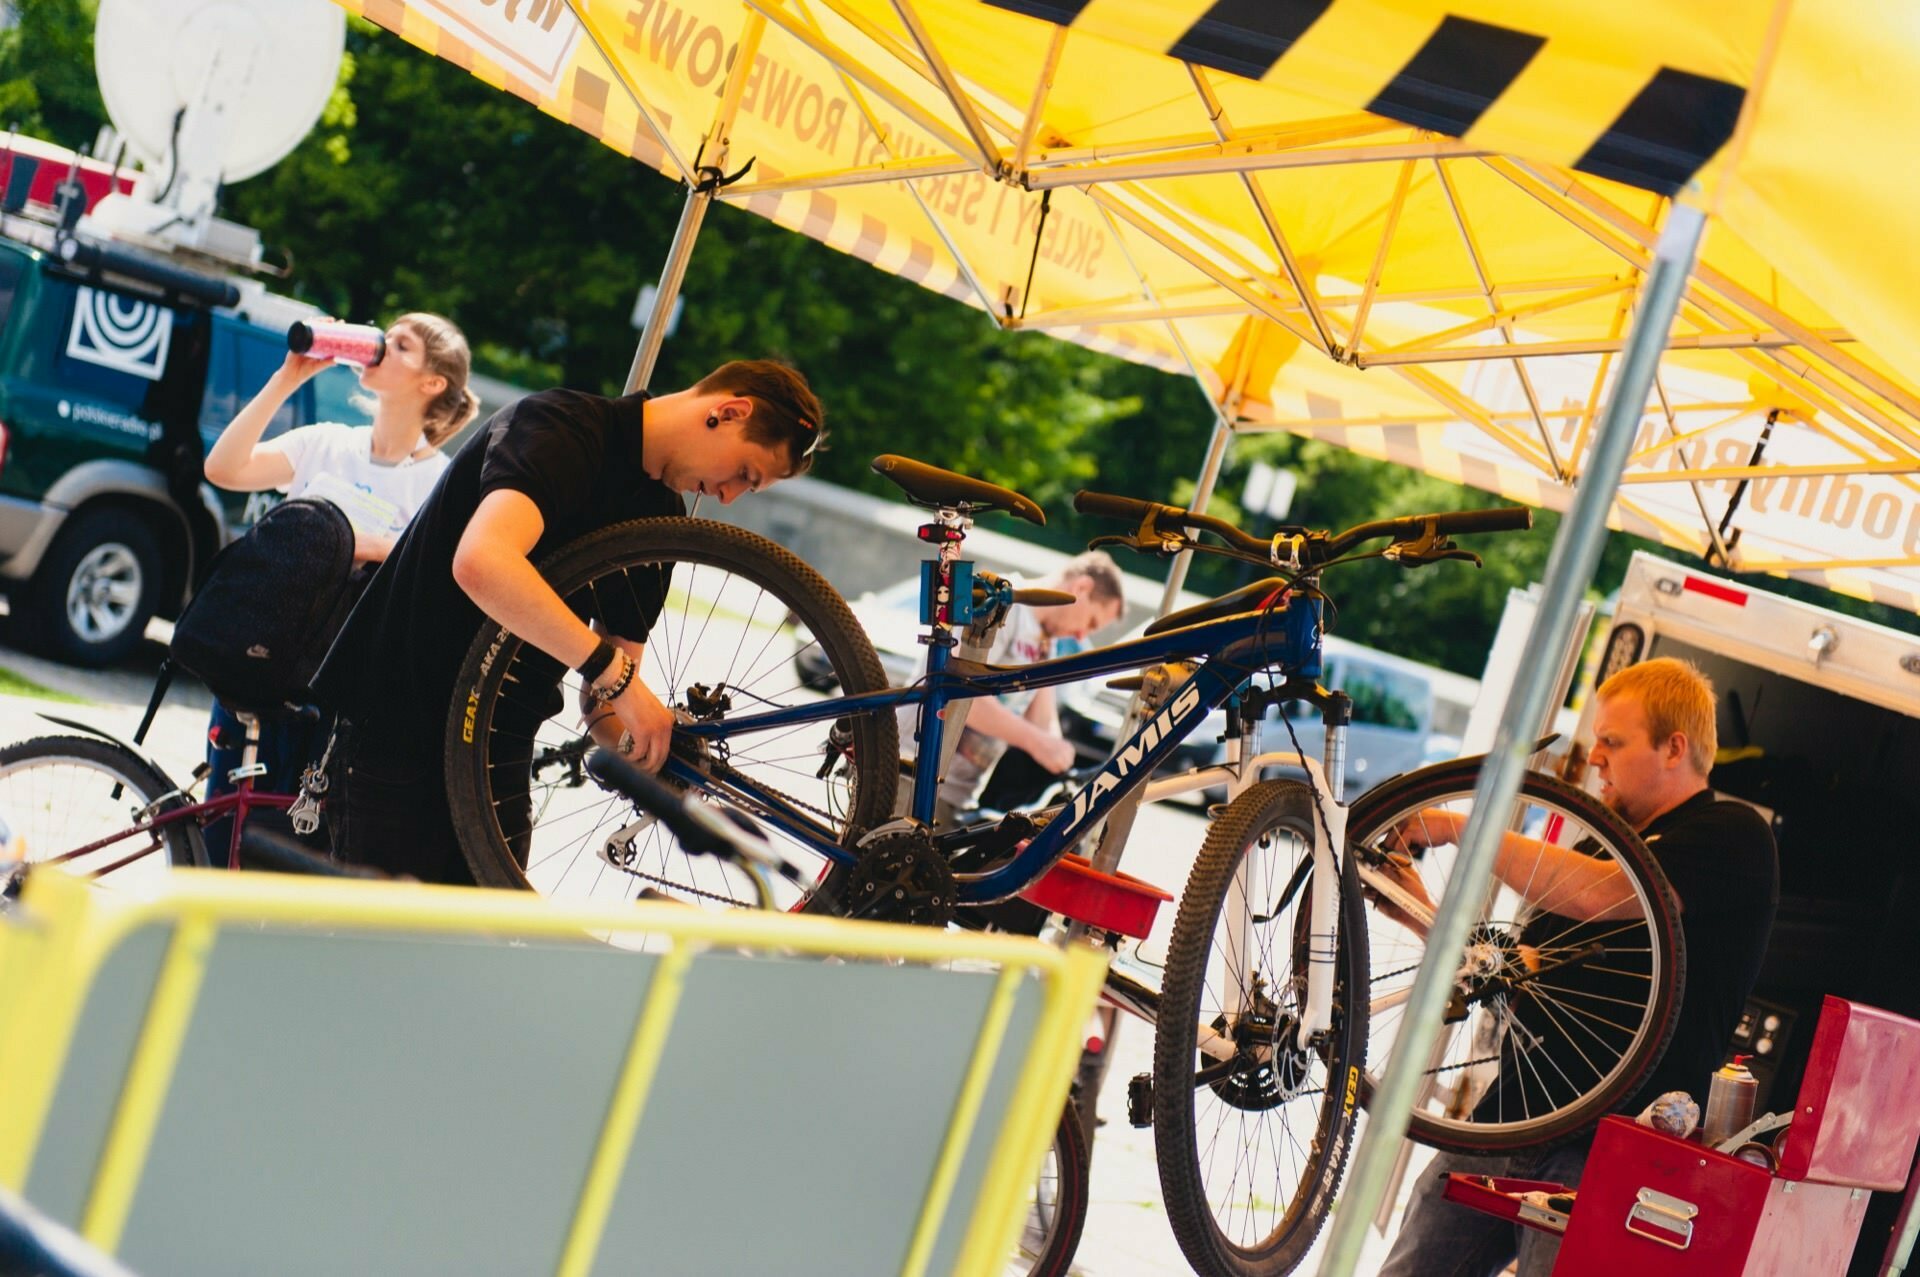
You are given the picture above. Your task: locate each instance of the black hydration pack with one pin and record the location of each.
(271, 604)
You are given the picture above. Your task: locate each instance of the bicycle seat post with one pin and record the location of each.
(946, 603)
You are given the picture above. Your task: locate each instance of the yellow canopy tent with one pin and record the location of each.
(1316, 247)
(1421, 229)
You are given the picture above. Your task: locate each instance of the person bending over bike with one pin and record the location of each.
(1028, 721)
(1654, 741)
(539, 473)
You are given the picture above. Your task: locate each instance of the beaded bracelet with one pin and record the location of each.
(607, 695)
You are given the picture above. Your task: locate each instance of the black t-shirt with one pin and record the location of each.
(577, 457)
(1720, 857)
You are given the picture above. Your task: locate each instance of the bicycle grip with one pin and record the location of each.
(1107, 505)
(1044, 598)
(650, 795)
(1513, 518)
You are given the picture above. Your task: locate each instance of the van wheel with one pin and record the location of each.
(96, 589)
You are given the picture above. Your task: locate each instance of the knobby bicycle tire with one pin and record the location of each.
(1222, 1223)
(738, 613)
(1592, 1005)
(1058, 1215)
(58, 794)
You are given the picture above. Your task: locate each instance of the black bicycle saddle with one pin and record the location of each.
(936, 488)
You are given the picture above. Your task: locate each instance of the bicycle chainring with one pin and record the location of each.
(899, 877)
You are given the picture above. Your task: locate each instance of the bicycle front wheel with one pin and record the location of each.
(1252, 1129)
(729, 620)
(1555, 1019)
(59, 794)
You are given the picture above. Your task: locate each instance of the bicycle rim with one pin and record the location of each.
(1252, 1149)
(61, 793)
(738, 614)
(1057, 1209)
(1553, 1020)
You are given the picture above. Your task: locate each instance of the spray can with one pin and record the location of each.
(1729, 1101)
(361, 344)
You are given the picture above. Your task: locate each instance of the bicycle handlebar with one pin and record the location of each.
(1107, 505)
(275, 852)
(1162, 525)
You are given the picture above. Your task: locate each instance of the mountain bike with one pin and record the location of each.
(1263, 1023)
(102, 809)
(1057, 1213)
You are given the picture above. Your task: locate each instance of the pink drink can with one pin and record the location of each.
(361, 344)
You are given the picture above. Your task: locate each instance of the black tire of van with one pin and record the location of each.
(97, 551)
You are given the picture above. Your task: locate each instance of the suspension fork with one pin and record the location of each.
(1327, 780)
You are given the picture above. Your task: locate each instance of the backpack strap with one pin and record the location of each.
(161, 681)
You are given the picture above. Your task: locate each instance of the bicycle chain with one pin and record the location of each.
(726, 770)
(681, 886)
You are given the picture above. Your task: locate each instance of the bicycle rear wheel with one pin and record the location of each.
(1554, 1021)
(737, 611)
(1251, 1148)
(61, 793)
(1057, 1215)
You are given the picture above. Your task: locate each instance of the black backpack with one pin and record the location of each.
(271, 604)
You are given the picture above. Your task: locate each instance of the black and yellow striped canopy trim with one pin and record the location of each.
(1675, 124)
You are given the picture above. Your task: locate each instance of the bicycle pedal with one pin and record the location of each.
(1140, 1101)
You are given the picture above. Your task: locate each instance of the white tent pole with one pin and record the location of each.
(701, 188)
(1575, 553)
(647, 353)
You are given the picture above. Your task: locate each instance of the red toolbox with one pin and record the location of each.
(1651, 1205)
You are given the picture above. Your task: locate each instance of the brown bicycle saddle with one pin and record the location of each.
(931, 486)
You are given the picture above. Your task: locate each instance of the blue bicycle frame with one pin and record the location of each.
(1235, 647)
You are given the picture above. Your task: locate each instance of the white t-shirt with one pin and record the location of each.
(1020, 641)
(336, 462)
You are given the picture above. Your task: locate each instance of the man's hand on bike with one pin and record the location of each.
(1055, 753)
(1434, 827)
(1398, 869)
(643, 727)
(648, 722)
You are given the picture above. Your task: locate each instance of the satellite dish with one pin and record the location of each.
(208, 92)
(266, 66)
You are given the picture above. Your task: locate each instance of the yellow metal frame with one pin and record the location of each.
(52, 951)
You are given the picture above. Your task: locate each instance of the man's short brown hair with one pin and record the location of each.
(1098, 567)
(786, 412)
(1676, 697)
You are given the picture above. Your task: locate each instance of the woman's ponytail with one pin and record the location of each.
(446, 354)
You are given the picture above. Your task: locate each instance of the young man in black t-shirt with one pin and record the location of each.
(1654, 741)
(538, 474)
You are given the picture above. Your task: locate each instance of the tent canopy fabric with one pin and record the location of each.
(1415, 229)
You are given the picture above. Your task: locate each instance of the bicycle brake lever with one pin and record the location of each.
(1132, 543)
(1417, 554)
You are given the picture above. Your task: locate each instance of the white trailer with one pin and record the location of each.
(1819, 725)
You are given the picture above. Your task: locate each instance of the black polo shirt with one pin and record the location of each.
(1720, 857)
(576, 456)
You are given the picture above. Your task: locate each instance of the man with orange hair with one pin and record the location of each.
(1653, 748)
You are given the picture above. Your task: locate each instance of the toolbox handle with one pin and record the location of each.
(1670, 1216)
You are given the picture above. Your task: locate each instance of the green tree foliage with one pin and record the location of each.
(47, 85)
(422, 188)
